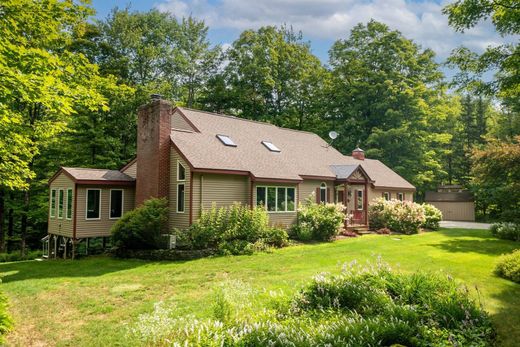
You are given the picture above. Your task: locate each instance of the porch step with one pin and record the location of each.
(361, 230)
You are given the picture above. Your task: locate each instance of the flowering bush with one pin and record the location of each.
(320, 222)
(508, 266)
(433, 216)
(236, 229)
(370, 305)
(506, 231)
(399, 216)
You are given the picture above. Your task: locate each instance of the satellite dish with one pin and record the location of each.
(333, 135)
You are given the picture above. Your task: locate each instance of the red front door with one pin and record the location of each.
(358, 214)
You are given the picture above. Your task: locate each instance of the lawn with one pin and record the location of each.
(90, 302)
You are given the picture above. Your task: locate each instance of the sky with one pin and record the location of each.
(323, 21)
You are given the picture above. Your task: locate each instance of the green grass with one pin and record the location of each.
(89, 302)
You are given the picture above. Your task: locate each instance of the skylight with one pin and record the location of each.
(226, 140)
(270, 146)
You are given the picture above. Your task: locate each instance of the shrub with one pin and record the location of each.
(5, 320)
(320, 222)
(433, 216)
(508, 266)
(236, 229)
(17, 256)
(399, 216)
(143, 227)
(363, 306)
(506, 231)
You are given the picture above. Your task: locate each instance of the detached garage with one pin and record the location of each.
(454, 202)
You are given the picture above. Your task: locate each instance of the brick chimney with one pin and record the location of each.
(358, 154)
(153, 149)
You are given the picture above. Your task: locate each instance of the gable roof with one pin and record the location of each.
(95, 176)
(302, 154)
(464, 196)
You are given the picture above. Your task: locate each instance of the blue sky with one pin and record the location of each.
(323, 21)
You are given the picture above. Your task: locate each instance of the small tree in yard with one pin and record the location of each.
(142, 227)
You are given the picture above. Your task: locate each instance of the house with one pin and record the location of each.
(196, 159)
(454, 201)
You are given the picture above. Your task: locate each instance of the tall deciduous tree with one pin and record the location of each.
(387, 94)
(273, 76)
(41, 84)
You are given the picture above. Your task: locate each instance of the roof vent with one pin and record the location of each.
(226, 140)
(270, 146)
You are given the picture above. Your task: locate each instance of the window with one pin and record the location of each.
(69, 203)
(53, 203)
(181, 172)
(323, 192)
(270, 146)
(116, 203)
(93, 204)
(226, 140)
(359, 200)
(386, 196)
(60, 204)
(400, 196)
(276, 199)
(180, 198)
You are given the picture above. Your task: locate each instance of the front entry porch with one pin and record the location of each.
(351, 190)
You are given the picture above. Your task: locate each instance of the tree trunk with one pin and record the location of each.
(10, 224)
(2, 219)
(26, 199)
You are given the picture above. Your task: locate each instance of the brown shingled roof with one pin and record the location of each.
(302, 153)
(95, 176)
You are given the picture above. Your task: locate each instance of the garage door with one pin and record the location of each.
(464, 211)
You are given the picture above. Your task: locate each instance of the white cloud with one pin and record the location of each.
(421, 21)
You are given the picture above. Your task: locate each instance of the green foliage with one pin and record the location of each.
(320, 222)
(17, 256)
(236, 229)
(508, 266)
(143, 227)
(497, 177)
(6, 322)
(432, 216)
(363, 306)
(399, 216)
(506, 231)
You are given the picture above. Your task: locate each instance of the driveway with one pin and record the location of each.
(464, 225)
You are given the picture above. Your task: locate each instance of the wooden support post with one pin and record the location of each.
(73, 248)
(55, 247)
(65, 248)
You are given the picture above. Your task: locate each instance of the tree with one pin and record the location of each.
(503, 59)
(388, 97)
(273, 76)
(497, 178)
(41, 84)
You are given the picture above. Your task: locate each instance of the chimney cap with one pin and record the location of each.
(358, 150)
(156, 96)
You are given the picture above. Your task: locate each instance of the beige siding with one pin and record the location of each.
(308, 188)
(462, 211)
(101, 227)
(283, 219)
(56, 225)
(378, 193)
(179, 220)
(131, 170)
(224, 190)
(179, 122)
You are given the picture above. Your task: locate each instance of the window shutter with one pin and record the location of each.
(318, 195)
(328, 195)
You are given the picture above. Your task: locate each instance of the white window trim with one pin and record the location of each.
(276, 198)
(389, 196)
(86, 204)
(180, 164)
(323, 186)
(122, 203)
(183, 198)
(362, 200)
(402, 196)
(63, 206)
(67, 205)
(53, 207)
